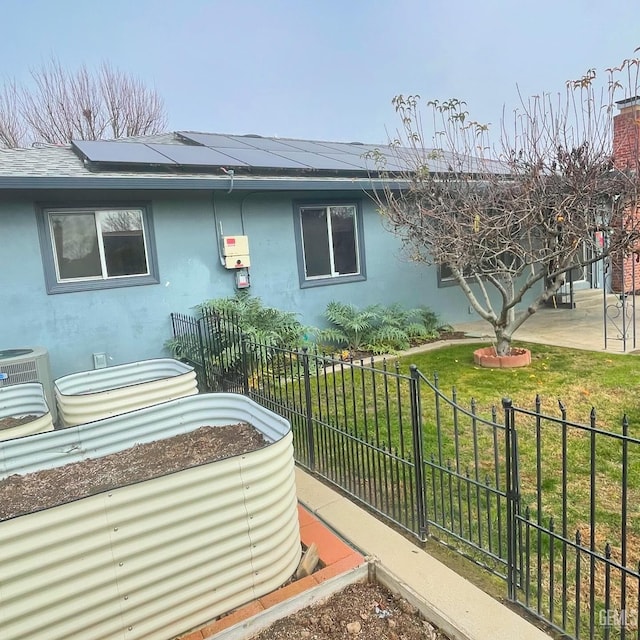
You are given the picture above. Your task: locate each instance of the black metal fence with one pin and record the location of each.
(551, 506)
(577, 524)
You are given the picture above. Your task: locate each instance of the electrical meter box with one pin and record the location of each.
(237, 262)
(235, 246)
(235, 250)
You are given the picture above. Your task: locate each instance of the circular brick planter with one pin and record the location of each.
(486, 357)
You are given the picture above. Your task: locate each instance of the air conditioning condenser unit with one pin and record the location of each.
(29, 364)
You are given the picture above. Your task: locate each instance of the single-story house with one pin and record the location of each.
(100, 241)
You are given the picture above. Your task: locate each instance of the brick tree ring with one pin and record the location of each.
(487, 357)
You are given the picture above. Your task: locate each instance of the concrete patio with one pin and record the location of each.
(580, 328)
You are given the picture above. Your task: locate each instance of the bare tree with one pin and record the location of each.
(63, 105)
(508, 220)
(133, 108)
(12, 127)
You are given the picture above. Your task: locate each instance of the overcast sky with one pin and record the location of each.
(323, 69)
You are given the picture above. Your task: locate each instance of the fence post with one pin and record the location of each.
(205, 375)
(245, 364)
(311, 456)
(418, 453)
(512, 498)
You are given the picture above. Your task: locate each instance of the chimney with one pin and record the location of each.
(626, 133)
(625, 271)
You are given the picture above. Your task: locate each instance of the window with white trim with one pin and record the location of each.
(102, 247)
(504, 260)
(329, 242)
(445, 276)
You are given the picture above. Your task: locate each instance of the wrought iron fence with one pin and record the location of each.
(352, 425)
(548, 504)
(467, 472)
(577, 526)
(213, 345)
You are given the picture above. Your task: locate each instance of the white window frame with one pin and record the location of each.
(57, 284)
(334, 276)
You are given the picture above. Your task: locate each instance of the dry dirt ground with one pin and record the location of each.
(11, 421)
(359, 612)
(21, 494)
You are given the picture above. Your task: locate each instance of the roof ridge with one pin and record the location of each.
(37, 146)
(275, 137)
(143, 138)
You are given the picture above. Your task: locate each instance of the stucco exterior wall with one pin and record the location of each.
(132, 323)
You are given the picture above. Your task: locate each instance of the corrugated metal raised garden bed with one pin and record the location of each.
(155, 557)
(91, 395)
(23, 411)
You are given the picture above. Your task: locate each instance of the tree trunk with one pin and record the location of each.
(503, 342)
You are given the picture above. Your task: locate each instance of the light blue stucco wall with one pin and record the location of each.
(132, 323)
(269, 224)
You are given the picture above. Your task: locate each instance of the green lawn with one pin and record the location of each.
(363, 441)
(581, 379)
(550, 451)
(464, 453)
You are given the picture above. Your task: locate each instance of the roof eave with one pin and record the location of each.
(14, 183)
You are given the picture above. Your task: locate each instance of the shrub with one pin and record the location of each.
(224, 323)
(377, 328)
(267, 325)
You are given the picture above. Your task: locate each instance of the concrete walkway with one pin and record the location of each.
(458, 607)
(579, 328)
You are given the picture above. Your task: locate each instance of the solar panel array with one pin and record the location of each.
(130, 152)
(201, 150)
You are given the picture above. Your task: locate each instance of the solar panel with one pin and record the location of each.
(193, 156)
(363, 157)
(443, 161)
(266, 144)
(345, 147)
(307, 145)
(364, 164)
(215, 140)
(413, 158)
(120, 152)
(320, 161)
(217, 150)
(386, 158)
(264, 159)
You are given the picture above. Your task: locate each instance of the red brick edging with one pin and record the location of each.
(336, 556)
(487, 357)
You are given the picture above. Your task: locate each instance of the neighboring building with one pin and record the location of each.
(625, 271)
(101, 241)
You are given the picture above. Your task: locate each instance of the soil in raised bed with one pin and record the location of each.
(12, 421)
(20, 494)
(362, 611)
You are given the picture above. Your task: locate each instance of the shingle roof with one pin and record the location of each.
(50, 166)
(40, 161)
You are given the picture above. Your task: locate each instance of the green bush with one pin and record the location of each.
(266, 325)
(224, 322)
(377, 328)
